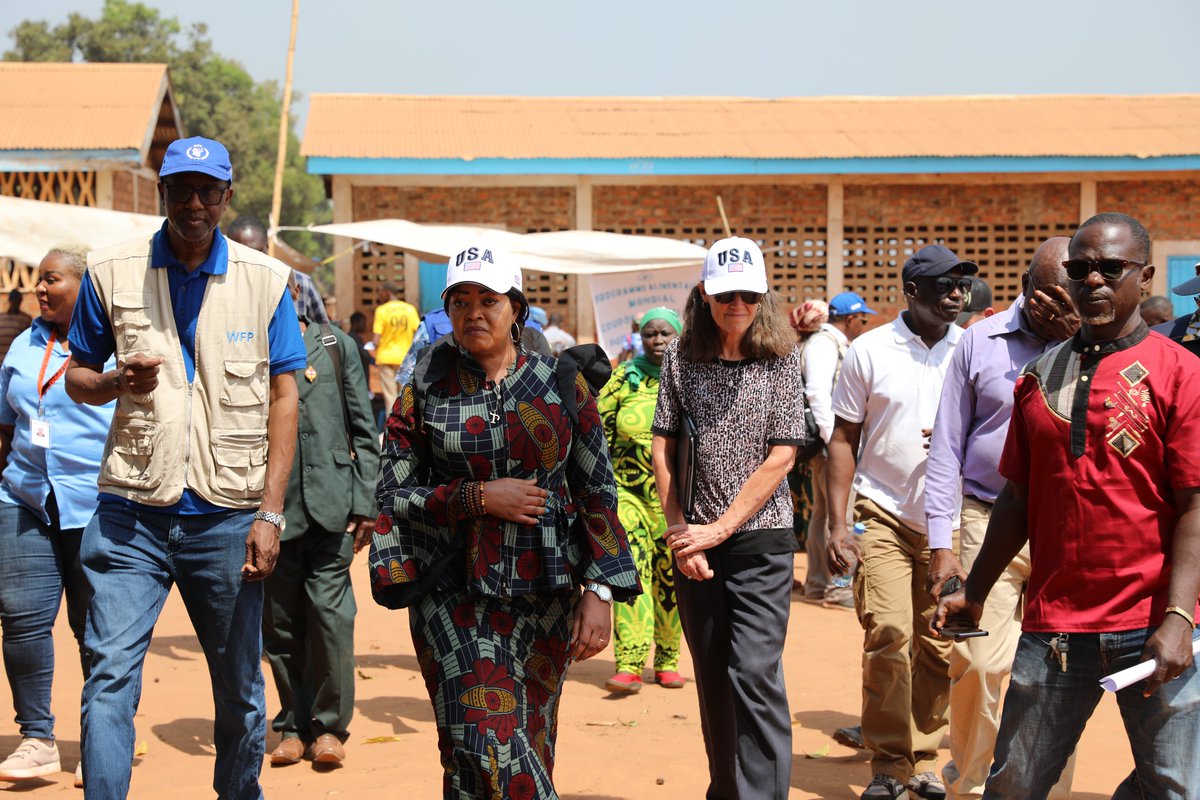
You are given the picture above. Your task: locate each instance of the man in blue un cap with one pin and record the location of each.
(196, 465)
(820, 363)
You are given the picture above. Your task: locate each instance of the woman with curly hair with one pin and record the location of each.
(733, 378)
(498, 530)
(627, 408)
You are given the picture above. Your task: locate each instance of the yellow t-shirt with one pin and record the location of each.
(396, 322)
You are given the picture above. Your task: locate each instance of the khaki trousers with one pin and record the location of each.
(906, 681)
(818, 583)
(979, 666)
(387, 385)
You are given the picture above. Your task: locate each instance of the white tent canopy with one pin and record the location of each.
(563, 252)
(30, 228)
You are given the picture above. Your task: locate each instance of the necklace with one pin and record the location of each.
(494, 415)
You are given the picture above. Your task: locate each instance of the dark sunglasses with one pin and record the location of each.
(944, 286)
(1078, 269)
(182, 193)
(749, 298)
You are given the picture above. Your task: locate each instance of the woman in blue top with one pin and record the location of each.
(50, 451)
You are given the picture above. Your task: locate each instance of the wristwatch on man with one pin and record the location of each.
(270, 516)
(600, 590)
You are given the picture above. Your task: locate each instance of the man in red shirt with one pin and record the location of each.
(1104, 481)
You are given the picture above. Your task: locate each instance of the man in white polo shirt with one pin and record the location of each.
(886, 399)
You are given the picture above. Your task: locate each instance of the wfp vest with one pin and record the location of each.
(210, 436)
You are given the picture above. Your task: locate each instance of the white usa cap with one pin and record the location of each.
(734, 265)
(484, 265)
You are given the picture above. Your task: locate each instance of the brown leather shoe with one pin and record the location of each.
(326, 750)
(289, 751)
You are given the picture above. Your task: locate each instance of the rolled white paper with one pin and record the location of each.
(1139, 672)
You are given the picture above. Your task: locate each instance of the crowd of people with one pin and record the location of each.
(994, 492)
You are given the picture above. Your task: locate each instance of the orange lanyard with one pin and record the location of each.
(44, 385)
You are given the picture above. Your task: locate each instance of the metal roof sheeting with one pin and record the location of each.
(421, 127)
(63, 106)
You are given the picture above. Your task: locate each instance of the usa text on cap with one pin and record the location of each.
(197, 154)
(484, 265)
(734, 265)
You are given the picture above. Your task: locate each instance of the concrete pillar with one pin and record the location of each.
(835, 235)
(1087, 200)
(343, 266)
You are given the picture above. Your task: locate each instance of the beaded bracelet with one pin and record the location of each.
(469, 498)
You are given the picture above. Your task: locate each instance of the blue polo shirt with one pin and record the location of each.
(77, 433)
(92, 340)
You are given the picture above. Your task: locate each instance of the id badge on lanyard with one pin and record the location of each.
(39, 428)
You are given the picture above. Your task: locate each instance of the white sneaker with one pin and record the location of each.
(79, 776)
(33, 758)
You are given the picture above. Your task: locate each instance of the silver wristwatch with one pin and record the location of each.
(270, 516)
(600, 590)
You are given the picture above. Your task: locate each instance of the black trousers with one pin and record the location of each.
(735, 624)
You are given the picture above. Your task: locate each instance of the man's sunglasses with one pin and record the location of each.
(749, 298)
(182, 193)
(1078, 269)
(944, 286)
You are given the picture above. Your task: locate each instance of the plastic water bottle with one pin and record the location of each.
(842, 581)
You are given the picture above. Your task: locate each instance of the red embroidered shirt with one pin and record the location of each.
(1102, 434)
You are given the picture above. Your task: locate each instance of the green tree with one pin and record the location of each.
(217, 98)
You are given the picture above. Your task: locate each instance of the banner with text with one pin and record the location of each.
(620, 298)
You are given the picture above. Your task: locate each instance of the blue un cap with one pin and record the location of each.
(848, 303)
(197, 154)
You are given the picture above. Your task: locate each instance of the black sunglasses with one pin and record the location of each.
(182, 193)
(749, 298)
(944, 286)
(1078, 269)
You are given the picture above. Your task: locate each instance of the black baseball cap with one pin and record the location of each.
(1190, 286)
(933, 260)
(978, 299)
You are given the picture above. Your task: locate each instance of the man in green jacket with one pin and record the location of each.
(308, 614)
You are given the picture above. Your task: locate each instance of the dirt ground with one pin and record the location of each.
(646, 745)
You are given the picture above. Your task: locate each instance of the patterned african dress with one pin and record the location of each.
(627, 409)
(491, 633)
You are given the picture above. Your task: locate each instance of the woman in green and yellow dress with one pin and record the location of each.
(627, 408)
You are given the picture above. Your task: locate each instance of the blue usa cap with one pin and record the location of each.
(197, 154)
(848, 303)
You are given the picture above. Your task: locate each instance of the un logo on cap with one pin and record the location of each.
(197, 152)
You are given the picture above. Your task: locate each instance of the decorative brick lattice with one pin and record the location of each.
(16, 274)
(874, 257)
(71, 187)
(375, 265)
(521, 209)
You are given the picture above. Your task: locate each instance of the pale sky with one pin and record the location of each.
(754, 48)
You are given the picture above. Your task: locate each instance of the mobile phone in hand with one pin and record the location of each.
(952, 630)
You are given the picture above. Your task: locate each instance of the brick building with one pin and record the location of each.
(83, 135)
(991, 177)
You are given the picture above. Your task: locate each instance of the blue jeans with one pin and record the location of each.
(1045, 710)
(37, 562)
(132, 557)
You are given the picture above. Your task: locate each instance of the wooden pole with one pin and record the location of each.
(281, 157)
(724, 219)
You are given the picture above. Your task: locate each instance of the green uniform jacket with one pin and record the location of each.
(327, 485)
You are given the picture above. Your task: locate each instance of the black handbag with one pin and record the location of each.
(685, 463)
(813, 443)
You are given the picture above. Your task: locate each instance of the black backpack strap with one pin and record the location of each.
(335, 354)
